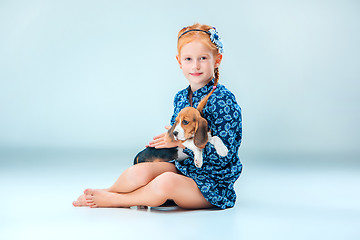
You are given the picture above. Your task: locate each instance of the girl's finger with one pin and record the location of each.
(157, 141)
(156, 144)
(159, 136)
(160, 146)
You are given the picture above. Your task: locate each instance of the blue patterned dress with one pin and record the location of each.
(217, 175)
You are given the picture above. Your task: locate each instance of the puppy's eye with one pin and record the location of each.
(185, 122)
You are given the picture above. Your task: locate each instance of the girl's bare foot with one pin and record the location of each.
(80, 202)
(101, 198)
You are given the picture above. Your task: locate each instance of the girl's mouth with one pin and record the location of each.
(195, 74)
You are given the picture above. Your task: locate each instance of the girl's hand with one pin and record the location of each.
(163, 141)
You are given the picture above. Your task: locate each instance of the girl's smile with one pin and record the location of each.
(195, 74)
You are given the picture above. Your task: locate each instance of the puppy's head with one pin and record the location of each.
(189, 124)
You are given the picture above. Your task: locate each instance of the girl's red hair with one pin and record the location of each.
(196, 35)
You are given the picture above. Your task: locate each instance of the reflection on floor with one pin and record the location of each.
(276, 200)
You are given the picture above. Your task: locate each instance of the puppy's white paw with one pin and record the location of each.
(222, 150)
(220, 147)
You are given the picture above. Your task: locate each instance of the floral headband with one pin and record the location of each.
(214, 37)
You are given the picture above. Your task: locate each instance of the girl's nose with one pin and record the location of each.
(196, 64)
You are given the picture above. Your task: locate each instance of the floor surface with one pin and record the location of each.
(276, 200)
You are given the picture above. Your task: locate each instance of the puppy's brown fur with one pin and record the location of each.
(194, 126)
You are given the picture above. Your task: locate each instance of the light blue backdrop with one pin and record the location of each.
(103, 74)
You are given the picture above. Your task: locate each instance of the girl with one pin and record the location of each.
(212, 185)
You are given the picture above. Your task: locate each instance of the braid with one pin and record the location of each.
(216, 71)
(205, 99)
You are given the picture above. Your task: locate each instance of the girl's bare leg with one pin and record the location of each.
(139, 175)
(169, 185)
(134, 177)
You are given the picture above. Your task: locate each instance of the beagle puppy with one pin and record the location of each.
(192, 130)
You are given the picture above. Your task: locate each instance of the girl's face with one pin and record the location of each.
(198, 63)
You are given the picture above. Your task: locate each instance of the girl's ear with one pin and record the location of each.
(218, 60)
(178, 59)
(201, 133)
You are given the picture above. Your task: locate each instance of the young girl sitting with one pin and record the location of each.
(152, 184)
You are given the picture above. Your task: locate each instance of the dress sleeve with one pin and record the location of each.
(224, 120)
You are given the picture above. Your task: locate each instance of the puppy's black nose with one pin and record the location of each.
(175, 133)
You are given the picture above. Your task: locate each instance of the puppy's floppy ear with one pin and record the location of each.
(201, 133)
(170, 132)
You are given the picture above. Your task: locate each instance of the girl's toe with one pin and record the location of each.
(88, 197)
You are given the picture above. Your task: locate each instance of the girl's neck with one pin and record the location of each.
(194, 87)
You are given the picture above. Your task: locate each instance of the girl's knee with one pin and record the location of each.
(165, 183)
(138, 174)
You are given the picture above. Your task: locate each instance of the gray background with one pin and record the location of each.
(102, 75)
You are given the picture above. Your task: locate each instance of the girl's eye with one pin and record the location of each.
(187, 59)
(185, 122)
(203, 58)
